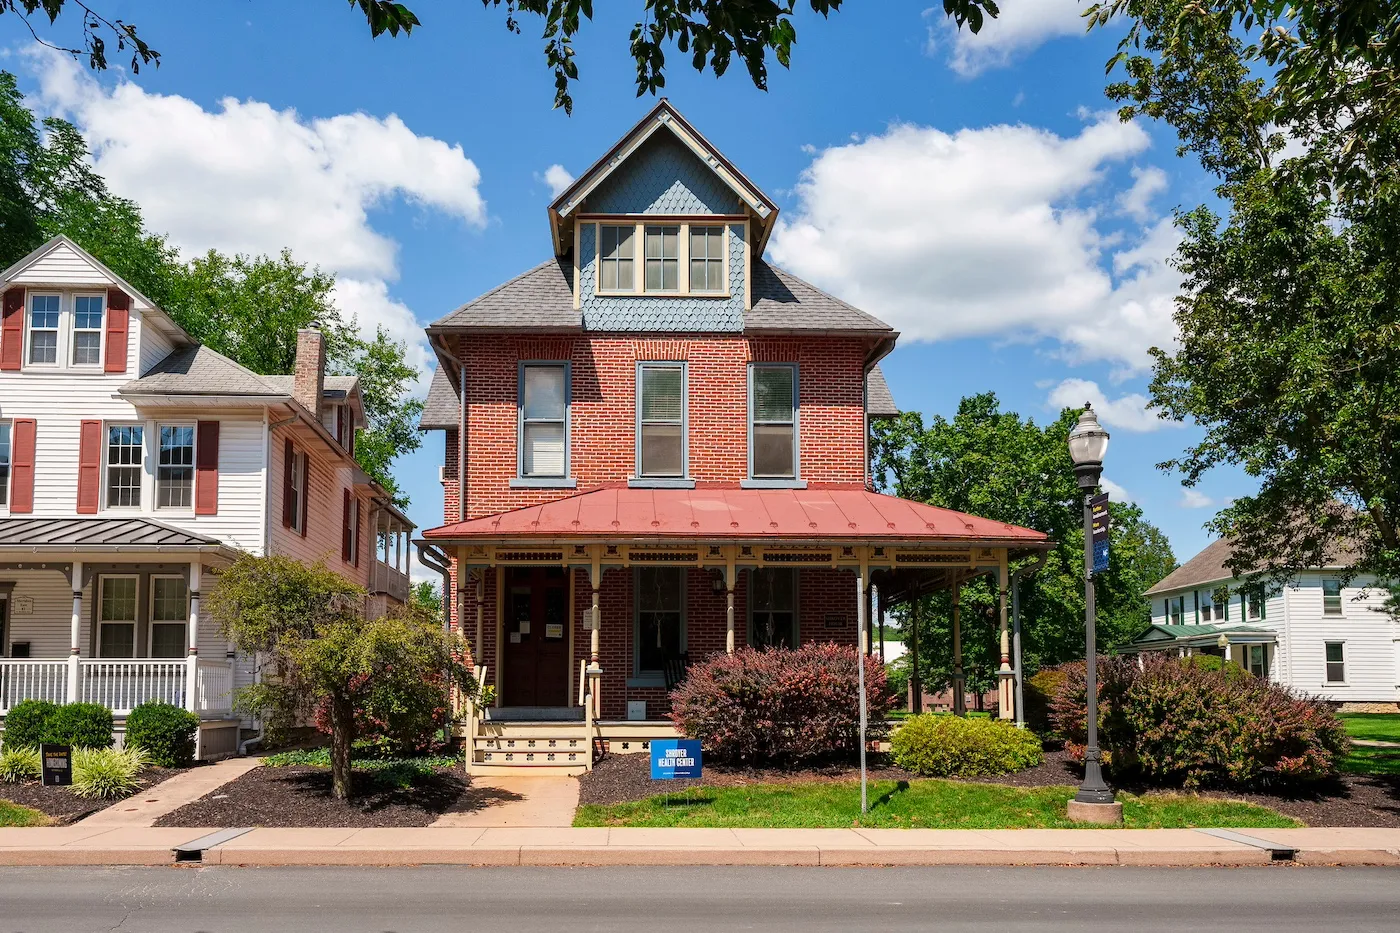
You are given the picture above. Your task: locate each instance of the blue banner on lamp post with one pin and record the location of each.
(1099, 506)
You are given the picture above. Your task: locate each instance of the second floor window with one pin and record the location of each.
(124, 446)
(1331, 597)
(615, 273)
(87, 330)
(298, 488)
(544, 420)
(663, 258)
(43, 329)
(773, 421)
(175, 467)
(4, 464)
(661, 419)
(707, 260)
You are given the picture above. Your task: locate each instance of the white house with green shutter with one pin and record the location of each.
(1323, 634)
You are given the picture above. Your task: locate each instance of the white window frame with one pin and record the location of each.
(107, 466)
(1326, 680)
(8, 430)
(299, 484)
(540, 479)
(74, 330)
(722, 259)
(637, 286)
(633, 287)
(684, 423)
(1341, 609)
(159, 447)
(645, 678)
(134, 621)
(661, 229)
(60, 348)
(795, 480)
(152, 622)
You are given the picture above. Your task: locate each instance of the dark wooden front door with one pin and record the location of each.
(536, 639)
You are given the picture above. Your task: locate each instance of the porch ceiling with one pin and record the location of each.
(832, 513)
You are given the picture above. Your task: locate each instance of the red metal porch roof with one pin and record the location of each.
(849, 512)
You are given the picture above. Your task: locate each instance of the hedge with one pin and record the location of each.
(166, 733)
(939, 745)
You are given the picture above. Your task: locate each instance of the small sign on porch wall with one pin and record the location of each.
(835, 620)
(22, 605)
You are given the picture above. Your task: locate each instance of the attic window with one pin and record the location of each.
(663, 259)
(616, 249)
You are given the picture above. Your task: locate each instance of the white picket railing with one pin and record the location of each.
(32, 680)
(122, 685)
(214, 682)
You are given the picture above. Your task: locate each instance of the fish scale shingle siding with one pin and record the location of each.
(663, 177)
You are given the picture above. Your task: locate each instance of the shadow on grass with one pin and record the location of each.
(885, 799)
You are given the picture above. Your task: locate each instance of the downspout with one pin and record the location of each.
(432, 556)
(1028, 570)
(462, 443)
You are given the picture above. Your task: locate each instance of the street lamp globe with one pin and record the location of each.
(1088, 442)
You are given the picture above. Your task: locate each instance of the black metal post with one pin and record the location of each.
(1094, 789)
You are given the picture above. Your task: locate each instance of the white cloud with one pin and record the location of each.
(1115, 492)
(1021, 26)
(1128, 412)
(245, 178)
(1194, 499)
(1148, 182)
(990, 231)
(558, 178)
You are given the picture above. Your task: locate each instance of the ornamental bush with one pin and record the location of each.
(81, 725)
(939, 745)
(1040, 691)
(166, 733)
(1176, 722)
(781, 706)
(27, 723)
(107, 773)
(396, 718)
(20, 763)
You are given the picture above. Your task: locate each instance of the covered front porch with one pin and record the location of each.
(108, 611)
(597, 627)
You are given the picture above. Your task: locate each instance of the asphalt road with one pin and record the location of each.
(525, 900)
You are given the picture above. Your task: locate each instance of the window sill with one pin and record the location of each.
(642, 682)
(773, 484)
(660, 482)
(543, 482)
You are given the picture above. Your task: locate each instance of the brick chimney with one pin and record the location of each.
(309, 380)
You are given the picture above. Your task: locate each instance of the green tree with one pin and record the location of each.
(306, 625)
(711, 32)
(993, 463)
(427, 596)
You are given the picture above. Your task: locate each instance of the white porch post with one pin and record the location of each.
(595, 579)
(862, 581)
(75, 635)
(192, 672)
(729, 576)
(959, 679)
(480, 598)
(1006, 696)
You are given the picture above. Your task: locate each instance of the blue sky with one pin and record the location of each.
(974, 191)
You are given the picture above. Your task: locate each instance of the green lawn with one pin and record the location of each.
(12, 814)
(1383, 727)
(923, 804)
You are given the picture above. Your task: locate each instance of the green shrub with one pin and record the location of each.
(166, 733)
(19, 764)
(1177, 722)
(81, 725)
(106, 773)
(27, 723)
(1040, 691)
(951, 746)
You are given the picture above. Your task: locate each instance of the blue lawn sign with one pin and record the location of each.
(675, 758)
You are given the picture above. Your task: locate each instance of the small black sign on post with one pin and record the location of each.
(1098, 506)
(58, 765)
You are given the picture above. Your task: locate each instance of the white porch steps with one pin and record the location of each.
(555, 746)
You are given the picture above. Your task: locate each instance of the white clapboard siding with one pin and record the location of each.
(153, 347)
(63, 265)
(47, 623)
(1367, 632)
(325, 510)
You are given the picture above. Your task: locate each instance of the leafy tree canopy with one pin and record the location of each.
(711, 32)
(247, 308)
(992, 463)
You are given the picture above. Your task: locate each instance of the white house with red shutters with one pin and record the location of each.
(135, 462)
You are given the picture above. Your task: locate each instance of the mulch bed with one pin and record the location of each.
(63, 806)
(1351, 800)
(300, 795)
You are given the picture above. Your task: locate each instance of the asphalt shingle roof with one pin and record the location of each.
(879, 402)
(199, 370)
(1209, 567)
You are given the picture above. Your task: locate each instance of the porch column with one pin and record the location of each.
(1006, 695)
(75, 648)
(595, 622)
(916, 681)
(192, 675)
(480, 598)
(959, 679)
(729, 576)
(862, 582)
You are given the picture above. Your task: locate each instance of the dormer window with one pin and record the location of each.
(87, 329)
(680, 259)
(663, 258)
(707, 273)
(616, 254)
(43, 330)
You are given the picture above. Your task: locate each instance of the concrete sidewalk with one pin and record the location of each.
(168, 796)
(83, 844)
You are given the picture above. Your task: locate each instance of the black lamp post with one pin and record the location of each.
(1088, 442)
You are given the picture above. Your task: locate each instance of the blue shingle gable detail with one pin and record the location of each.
(646, 313)
(663, 177)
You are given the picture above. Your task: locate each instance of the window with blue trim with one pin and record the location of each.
(661, 420)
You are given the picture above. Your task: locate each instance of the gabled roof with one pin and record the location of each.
(97, 532)
(829, 512)
(199, 370)
(541, 298)
(663, 118)
(1209, 567)
(152, 310)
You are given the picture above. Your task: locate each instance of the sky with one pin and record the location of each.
(979, 193)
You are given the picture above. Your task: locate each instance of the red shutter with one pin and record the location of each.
(89, 466)
(118, 324)
(289, 462)
(206, 468)
(305, 489)
(22, 467)
(345, 527)
(12, 330)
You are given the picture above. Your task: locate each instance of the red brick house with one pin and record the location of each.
(656, 450)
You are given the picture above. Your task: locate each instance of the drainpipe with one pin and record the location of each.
(432, 556)
(462, 442)
(1028, 570)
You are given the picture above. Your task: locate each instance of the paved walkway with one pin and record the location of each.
(1375, 743)
(524, 801)
(145, 809)
(85, 844)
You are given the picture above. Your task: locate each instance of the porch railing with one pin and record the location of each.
(388, 580)
(119, 684)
